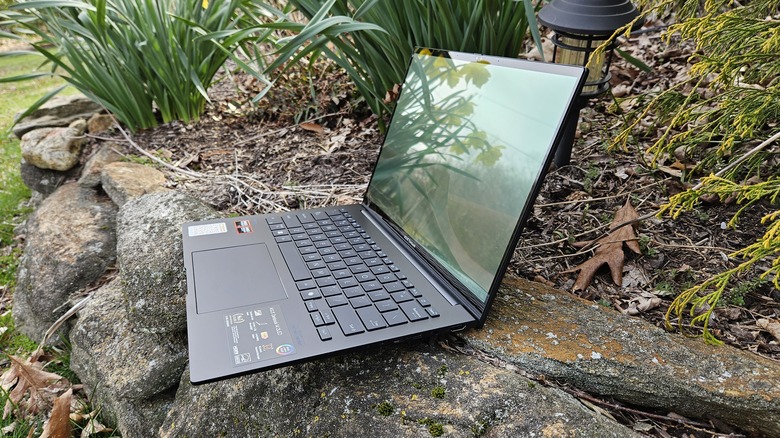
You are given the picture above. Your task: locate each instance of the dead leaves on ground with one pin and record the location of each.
(32, 391)
(610, 249)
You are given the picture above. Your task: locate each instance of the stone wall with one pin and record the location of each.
(106, 220)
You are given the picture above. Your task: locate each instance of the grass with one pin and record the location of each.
(13, 194)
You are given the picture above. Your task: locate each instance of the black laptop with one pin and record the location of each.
(461, 164)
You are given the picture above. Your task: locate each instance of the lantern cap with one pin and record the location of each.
(588, 17)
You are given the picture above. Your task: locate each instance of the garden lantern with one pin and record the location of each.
(581, 26)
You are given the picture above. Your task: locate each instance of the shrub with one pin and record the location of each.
(136, 58)
(376, 55)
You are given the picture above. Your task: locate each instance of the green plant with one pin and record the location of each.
(136, 58)
(372, 40)
(385, 408)
(438, 392)
(731, 98)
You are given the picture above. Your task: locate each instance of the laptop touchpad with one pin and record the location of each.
(235, 276)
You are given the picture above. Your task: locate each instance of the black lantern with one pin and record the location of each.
(580, 26)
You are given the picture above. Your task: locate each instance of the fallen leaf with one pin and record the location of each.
(25, 376)
(610, 250)
(773, 327)
(58, 425)
(312, 127)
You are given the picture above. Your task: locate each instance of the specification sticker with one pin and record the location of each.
(206, 229)
(258, 335)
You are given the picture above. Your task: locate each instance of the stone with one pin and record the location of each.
(413, 389)
(129, 373)
(149, 254)
(70, 241)
(54, 148)
(123, 181)
(99, 123)
(44, 181)
(60, 111)
(107, 153)
(555, 334)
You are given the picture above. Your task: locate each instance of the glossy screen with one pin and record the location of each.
(465, 146)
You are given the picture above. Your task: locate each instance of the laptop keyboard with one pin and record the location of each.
(346, 281)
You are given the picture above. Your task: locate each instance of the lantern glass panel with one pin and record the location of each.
(576, 51)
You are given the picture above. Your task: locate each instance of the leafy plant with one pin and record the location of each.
(732, 97)
(139, 59)
(373, 40)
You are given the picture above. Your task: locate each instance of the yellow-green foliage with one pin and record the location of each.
(730, 103)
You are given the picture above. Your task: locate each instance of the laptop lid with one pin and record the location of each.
(464, 158)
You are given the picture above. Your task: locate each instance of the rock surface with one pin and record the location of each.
(408, 390)
(90, 176)
(132, 374)
(54, 148)
(44, 181)
(124, 181)
(149, 253)
(555, 334)
(60, 111)
(70, 243)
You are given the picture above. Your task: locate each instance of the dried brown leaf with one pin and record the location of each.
(312, 127)
(773, 327)
(610, 250)
(58, 425)
(25, 376)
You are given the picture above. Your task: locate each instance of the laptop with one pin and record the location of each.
(463, 159)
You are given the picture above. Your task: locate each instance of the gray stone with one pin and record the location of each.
(107, 153)
(54, 148)
(149, 253)
(60, 111)
(44, 181)
(131, 374)
(70, 243)
(553, 333)
(99, 123)
(123, 181)
(407, 390)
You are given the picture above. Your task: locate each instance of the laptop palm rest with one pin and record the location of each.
(235, 276)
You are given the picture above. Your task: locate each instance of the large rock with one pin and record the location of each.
(410, 390)
(555, 334)
(54, 148)
(105, 154)
(132, 375)
(70, 243)
(124, 181)
(60, 111)
(44, 181)
(149, 253)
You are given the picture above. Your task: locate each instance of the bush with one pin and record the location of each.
(139, 59)
(376, 55)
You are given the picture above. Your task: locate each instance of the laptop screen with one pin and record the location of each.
(469, 138)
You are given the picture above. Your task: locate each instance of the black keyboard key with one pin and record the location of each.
(353, 261)
(348, 320)
(367, 254)
(415, 293)
(325, 281)
(372, 286)
(380, 269)
(371, 318)
(364, 276)
(386, 278)
(394, 317)
(336, 265)
(360, 302)
(357, 269)
(341, 246)
(280, 232)
(302, 243)
(378, 295)
(352, 292)
(317, 273)
(296, 230)
(318, 238)
(316, 264)
(294, 262)
(413, 311)
(283, 239)
(344, 273)
(322, 244)
(330, 258)
(290, 220)
(348, 253)
(316, 318)
(311, 294)
(336, 300)
(431, 311)
(319, 215)
(305, 284)
(347, 282)
(407, 284)
(306, 250)
(327, 317)
(374, 262)
(330, 291)
(324, 333)
(424, 302)
(273, 220)
(312, 226)
(394, 287)
(305, 218)
(386, 306)
(311, 305)
(327, 251)
(400, 297)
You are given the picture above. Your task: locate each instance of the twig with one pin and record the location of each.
(744, 157)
